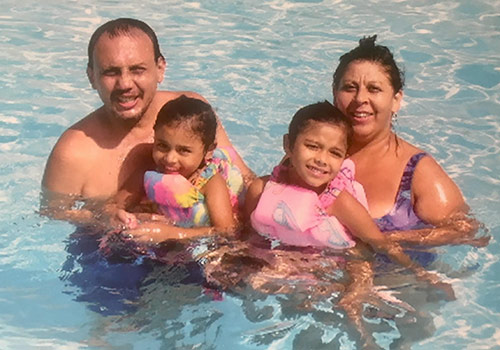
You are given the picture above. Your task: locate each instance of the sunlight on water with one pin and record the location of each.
(257, 63)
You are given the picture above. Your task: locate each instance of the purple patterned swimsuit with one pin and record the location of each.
(402, 217)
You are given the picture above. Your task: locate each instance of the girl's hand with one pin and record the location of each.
(128, 220)
(155, 232)
(143, 217)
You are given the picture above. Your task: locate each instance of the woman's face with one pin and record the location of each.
(365, 95)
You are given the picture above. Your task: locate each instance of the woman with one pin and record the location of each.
(405, 187)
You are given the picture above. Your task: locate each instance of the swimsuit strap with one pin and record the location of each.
(406, 179)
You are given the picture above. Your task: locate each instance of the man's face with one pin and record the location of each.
(125, 73)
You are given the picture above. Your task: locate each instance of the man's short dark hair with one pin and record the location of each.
(118, 27)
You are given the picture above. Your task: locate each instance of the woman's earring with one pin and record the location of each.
(394, 120)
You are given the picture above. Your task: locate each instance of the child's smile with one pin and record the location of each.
(177, 149)
(317, 155)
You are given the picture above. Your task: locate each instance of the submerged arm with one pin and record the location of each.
(359, 288)
(61, 196)
(359, 222)
(71, 208)
(457, 229)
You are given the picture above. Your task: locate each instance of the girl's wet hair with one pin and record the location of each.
(198, 114)
(319, 112)
(367, 50)
(121, 26)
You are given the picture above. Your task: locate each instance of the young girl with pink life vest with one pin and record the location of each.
(312, 197)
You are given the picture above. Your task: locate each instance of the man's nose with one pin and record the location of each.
(124, 81)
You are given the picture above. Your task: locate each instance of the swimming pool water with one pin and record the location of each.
(257, 63)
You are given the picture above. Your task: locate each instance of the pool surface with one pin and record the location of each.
(256, 62)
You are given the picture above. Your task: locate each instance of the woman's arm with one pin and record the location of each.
(359, 222)
(438, 201)
(458, 229)
(435, 196)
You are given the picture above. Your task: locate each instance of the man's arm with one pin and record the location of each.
(63, 182)
(64, 171)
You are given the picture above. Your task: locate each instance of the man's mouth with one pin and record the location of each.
(126, 102)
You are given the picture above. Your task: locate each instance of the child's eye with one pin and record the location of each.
(184, 150)
(161, 147)
(311, 146)
(337, 154)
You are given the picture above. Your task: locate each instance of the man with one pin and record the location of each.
(95, 156)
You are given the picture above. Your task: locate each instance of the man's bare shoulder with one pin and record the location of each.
(80, 134)
(77, 143)
(72, 157)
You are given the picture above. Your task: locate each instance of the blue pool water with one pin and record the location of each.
(257, 62)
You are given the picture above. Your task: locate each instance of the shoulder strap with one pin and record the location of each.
(406, 179)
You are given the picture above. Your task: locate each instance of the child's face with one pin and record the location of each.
(177, 150)
(317, 154)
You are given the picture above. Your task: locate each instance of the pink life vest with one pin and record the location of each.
(296, 216)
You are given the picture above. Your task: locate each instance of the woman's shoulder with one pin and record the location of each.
(424, 161)
(406, 149)
(434, 191)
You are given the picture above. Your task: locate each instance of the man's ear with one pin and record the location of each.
(161, 66)
(90, 76)
(286, 144)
